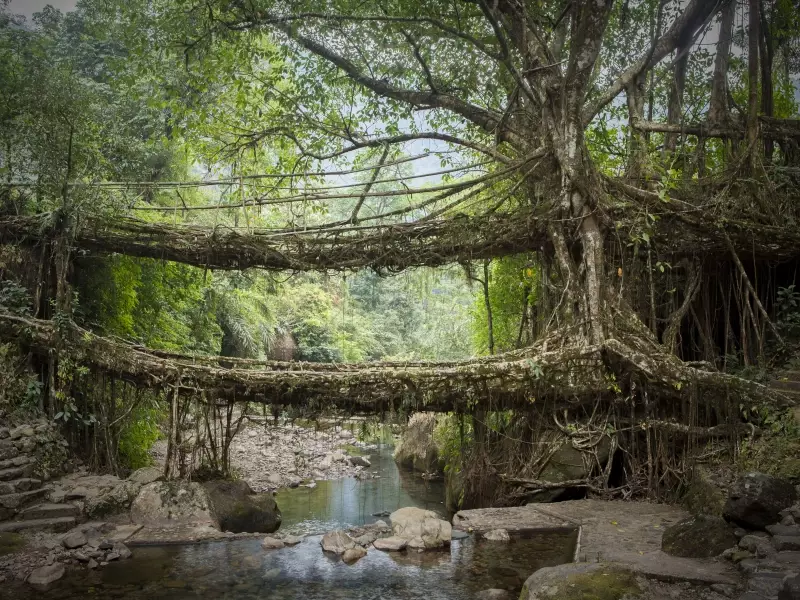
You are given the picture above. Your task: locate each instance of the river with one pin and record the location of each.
(242, 570)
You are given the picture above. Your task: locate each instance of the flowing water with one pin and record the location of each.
(242, 570)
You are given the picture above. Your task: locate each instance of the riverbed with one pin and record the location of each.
(242, 570)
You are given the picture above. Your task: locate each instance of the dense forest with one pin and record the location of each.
(605, 191)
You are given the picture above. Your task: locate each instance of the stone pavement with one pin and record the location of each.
(627, 533)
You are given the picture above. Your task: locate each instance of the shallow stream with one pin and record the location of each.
(242, 570)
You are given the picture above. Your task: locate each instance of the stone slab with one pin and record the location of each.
(628, 533)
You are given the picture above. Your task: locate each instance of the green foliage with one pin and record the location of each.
(19, 387)
(512, 284)
(777, 450)
(139, 435)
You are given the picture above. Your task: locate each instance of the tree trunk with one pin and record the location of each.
(718, 110)
(752, 74)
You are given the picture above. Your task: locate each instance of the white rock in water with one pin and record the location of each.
(46, 575)
(337, 542)
(351, 555)
(271, 543)
(497, 535)
(392, 544)
(412, 522)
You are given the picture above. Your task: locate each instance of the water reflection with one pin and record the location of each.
(241, 570)
(349, 502)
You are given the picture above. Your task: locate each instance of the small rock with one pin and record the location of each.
(311, 485)
(122, 550)
(359, 461)
(74, 539)
(391, 544)
(112, 556)
(291, 540)
(46, 575)
(294, 481)
(105, 545)
(351, 555)
(275, 480)
(92, 564)
(497, 535)
(759, 546)
(271, 543)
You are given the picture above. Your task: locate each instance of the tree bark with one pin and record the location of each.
(754, 23)
(718, 109)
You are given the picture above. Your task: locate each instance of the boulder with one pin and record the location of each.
(74, 539)
(497, 535)
(168, 503)
(581, 580)
(757, 499)
(46, 575)
(359, 461)
(119, 499)
(704, 496)
(568, 463)
(236, 508)
(390, 544)
(146, 475)
(416, 448)
(337, 542)
(702, 536)
(351, 555)
(412, 522)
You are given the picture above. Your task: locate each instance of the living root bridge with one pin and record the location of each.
(392, 247)
(565, 374)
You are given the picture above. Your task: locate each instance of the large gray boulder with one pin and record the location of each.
(702, 536)
(146, 475)
(757, 499)
(413, 523)
(46, 575)
(117, 500)
(417, 448)
(237, 509)
(167, 503)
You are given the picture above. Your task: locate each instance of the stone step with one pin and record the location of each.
(19, 485)
(8, 450)
(16, 473)
(19, 461)
(49, 511)
(58, 524)
(21, 499)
